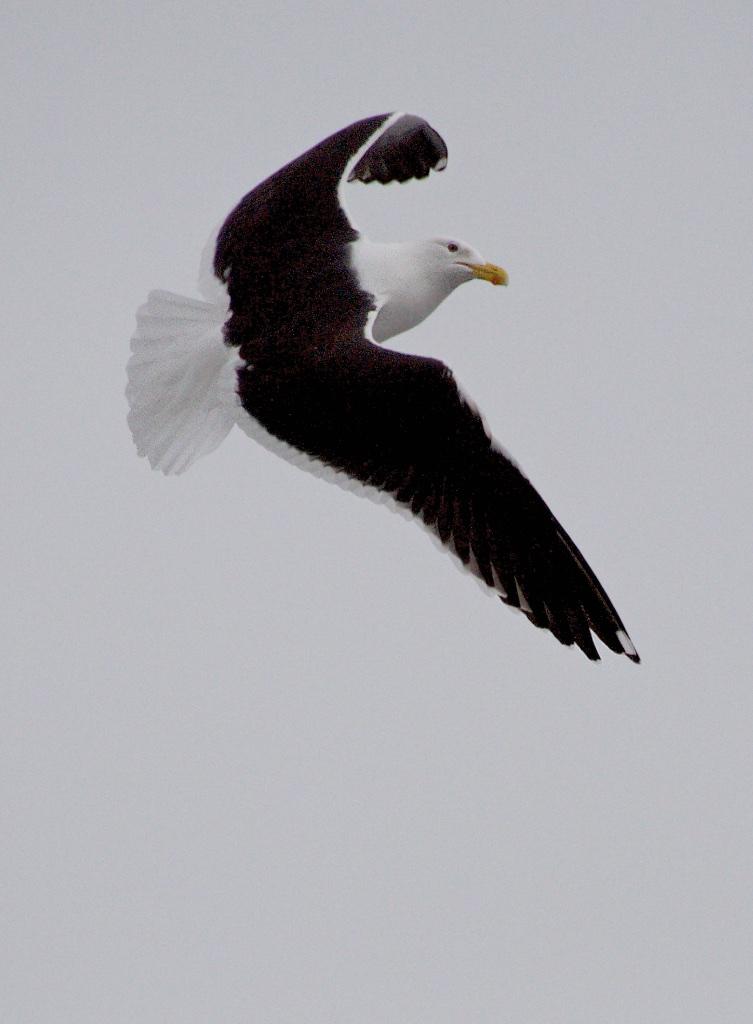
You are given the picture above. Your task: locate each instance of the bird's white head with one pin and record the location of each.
(410, 279)
(459, 262)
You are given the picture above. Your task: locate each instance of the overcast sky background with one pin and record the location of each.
(267, 755)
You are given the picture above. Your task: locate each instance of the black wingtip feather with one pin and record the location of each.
(409, 148)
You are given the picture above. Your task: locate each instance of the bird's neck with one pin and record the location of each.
(405, 290)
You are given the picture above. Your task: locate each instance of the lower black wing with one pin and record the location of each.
(400, 423)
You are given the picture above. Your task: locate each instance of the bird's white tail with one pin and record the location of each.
(181, 380)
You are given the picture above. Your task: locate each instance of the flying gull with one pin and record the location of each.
(288, 345)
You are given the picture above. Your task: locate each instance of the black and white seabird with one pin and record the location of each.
(288, 346)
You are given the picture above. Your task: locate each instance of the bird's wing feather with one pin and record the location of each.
(296, 216)
(407, 148)
(401, 424)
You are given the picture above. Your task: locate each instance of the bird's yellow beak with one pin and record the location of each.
(488, 272)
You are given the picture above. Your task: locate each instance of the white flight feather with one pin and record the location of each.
(181, 380)
(356, 157)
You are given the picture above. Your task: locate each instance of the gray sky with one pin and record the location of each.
(267, 755)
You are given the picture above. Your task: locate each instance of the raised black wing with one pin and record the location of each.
(408, 148)
(399, 423)
(283, 249)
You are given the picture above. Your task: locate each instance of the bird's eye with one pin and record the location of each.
(452, 246)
